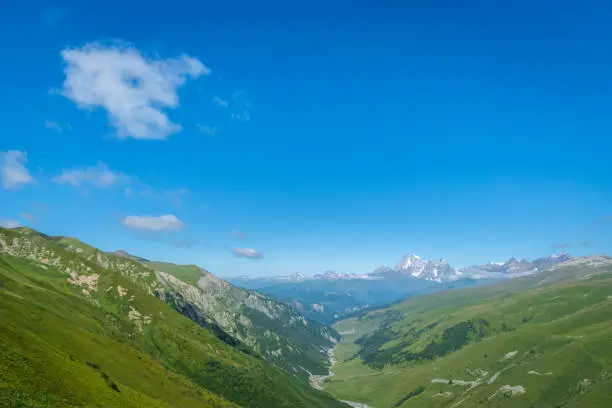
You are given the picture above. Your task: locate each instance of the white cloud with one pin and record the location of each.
(221, 102)
(9, 223)
(99, 176)
(13, 173)
(49, 124)
(134, 90)
(163, 223)
(247, 253)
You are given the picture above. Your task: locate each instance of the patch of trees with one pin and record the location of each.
(414, 393)
(451, 339)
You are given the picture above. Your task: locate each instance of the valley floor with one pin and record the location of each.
(541, 347)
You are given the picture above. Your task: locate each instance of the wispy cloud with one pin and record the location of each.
(100, 176)
(133, 89)
(144, 223)
(7, 223)
(58, 127)
(13, 172)
(249, 253)
(221, 102)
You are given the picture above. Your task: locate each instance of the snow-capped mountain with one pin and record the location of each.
(440, 271)
(513, 267)
(413, 265)
(550, 261)
(332, 275)
(330, 295)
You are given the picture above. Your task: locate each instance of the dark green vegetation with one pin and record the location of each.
(75, 333)
(539, 341)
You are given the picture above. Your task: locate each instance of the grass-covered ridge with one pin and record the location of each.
(74, 333)
(244, 319)
(543, 341)
(187, 273)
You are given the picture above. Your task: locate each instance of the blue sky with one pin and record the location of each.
(273, 137)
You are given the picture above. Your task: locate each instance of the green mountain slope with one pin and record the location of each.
(238, 316)
(542, 341)
(270, 328)
(74, 333)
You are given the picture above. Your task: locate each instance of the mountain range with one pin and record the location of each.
(333, 295)
(85, 327)
(541, 340)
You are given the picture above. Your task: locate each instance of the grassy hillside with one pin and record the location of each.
(270, 328)
(187, 273)
(244, 319)
(543, 341)
(73, 333)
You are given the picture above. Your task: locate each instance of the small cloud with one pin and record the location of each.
(9, 224)
(163, 223)
(247, 253)
(13, 173)
(49, 124)
(221, 102)
(235, 234)
(28, 217)
(209, 130)
(99, 176)
(133, 90)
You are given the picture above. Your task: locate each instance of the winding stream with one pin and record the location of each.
(318, 381)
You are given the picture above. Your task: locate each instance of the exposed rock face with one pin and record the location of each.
(271, 329)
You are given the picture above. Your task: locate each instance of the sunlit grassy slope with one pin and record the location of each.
(543, 341)
(187, 273)
(110, 343)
